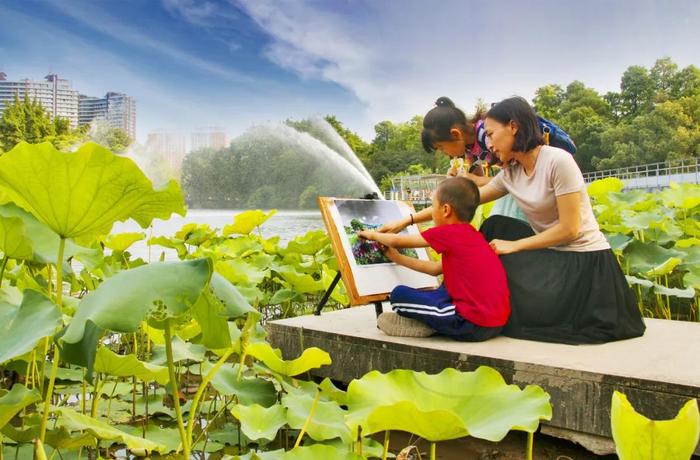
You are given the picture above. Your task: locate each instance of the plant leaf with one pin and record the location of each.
(83, 193)
(12, 402)
(247, 221)
(21, 327)
(327, 422)
(311, 358)
(258, 422)
(122, 241)
(111, 363)
(639, 438)
(248, 390)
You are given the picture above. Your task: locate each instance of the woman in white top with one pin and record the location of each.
(565, 283)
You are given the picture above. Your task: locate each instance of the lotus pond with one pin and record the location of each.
(128, 357)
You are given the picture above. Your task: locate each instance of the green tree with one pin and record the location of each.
(548, 100)
(25, 121)
(663, 74)
(637, 91)
(359, 146)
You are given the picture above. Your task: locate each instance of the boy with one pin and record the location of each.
(473, 302)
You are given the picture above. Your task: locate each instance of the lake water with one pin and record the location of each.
(286, 224)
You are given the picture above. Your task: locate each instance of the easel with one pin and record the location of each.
(378, 306)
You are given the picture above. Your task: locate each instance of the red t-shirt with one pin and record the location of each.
(473, 273)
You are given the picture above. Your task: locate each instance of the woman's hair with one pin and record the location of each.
(460, 193)
(442, 118)
(517, 110)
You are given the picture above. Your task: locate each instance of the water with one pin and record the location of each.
(285, 224)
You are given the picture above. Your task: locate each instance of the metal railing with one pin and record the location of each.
(653, 175)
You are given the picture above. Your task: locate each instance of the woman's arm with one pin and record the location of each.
(424, 215)
(393, 240)
(429, 267)
(489, 193)
(567, 229)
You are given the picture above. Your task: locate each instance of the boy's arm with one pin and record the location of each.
(393, 240)
(429, 267)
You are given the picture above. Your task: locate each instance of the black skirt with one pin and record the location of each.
(564, 296)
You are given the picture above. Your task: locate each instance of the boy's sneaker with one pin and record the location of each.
(399, 326)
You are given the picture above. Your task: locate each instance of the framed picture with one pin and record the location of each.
(368, 275)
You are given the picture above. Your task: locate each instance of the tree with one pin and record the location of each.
(686, 83)
(548, 100)
(354, 141)
(25, 121)
(637, 91)
(663, 74)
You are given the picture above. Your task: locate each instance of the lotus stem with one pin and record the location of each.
(56, 350)
(2, 269)
(175, 392)
(200, 391)
(433, 451)
(308, 419)
(387, 434)
(530, 443)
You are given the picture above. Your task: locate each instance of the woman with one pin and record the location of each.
(566, 284)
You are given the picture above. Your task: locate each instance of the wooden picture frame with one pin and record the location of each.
(366, 278)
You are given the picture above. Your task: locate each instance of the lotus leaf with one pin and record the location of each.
(314, 452)
(684, 196)
(240, 272)
(208, 311)
(311, 358)
(688, 293)
(332, 392)
(327, 422)
(600, 188)
(21, 327)
(170, 243)
(309, 243)
(108, 362)
(639, 438)
(692, 278)
(302, 283)
(120, 303)
(258, 422)
(169, 438)
(618, 242)
(477, 403)
(182, 351)
(642, 282)
(12, 402)
(14, 241)
(688, 243)
(247, 390)
(238, 247)
(83, 193)
(640, 220)
(338, 294)
(690, 256)
(247, 221)
(122, 241)
(75, 421)
(285, 295)
(195, 234)
(644, 257)
(665, 268)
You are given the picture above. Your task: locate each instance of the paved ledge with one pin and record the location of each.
(658, 372)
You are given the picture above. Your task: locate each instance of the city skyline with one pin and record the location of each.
(237, 63)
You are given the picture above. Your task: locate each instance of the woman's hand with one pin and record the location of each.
(502, 247)
(366, 235)
(391, 253)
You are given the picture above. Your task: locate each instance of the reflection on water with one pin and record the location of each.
(286, 224)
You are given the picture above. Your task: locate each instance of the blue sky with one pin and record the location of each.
(234, 63)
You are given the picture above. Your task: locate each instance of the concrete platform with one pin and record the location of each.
(658, 372)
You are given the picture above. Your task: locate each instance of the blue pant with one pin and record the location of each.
(436, 309)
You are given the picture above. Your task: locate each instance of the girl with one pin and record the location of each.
(446, 128)
(566, 284)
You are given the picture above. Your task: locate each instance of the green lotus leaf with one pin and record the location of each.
(247, 221)
(108, 362)
(692, 278)
(285, 295)
(339, 294)
(208, 311)
(639, 221)
(477, 403)
(310, 243)
(314, 452)
(644, 257)
(270, 245)
(13, 401)
(169, 438)
(600, 188)
(327, 422)
(688, 293)
(684, 196)
(238, 247)
(262, 261)
(690, 225)
(83, 193)
(182, 351)
(75, 421)
(618, 242)
(688, 243)
(122, 241)
(664, 268)
(302, 283)
(240, 272)
(253, 295)
(311, 358)
(170, 243)
(121, 302)
(195, 234)
(635, 200)
(258, 422)
(44, 241)
(247, 390)
(235, 304)
(690, 256)
(329, 390)
(639, 438)
(632, 280)
(14, 241)
(21, 327)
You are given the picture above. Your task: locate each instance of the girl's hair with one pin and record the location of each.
(517, 110)
(441, 119)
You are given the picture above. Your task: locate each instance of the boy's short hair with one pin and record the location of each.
(460, 193)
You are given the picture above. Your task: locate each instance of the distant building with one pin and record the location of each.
(171, 146)
(116, 109)
(53, 93)
(208, 138)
